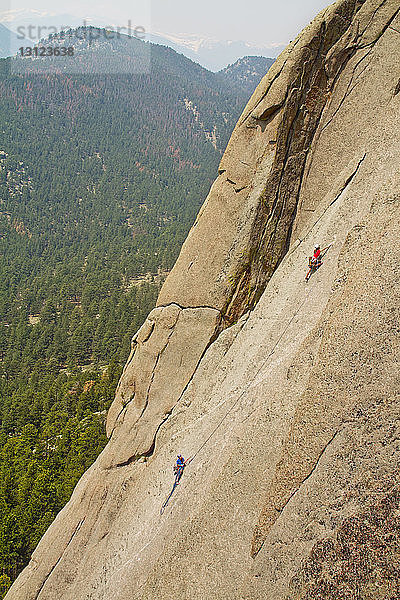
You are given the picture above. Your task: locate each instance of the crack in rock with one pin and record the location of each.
(150, 451)
(186, 307)
(260, 536)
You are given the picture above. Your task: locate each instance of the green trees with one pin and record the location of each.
(41, 462)
(100, 180)
(5, 584)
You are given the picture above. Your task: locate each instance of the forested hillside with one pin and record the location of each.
(101, 177)
(247, 72)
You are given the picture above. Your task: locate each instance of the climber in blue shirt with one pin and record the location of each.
(178, 468)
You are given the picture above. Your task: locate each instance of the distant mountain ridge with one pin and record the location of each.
(248, 71)
(211, 53)
(97, 50)
(214, 54)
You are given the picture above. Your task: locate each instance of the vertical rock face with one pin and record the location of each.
(284, 393)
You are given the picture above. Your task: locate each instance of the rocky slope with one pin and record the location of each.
(284, 393)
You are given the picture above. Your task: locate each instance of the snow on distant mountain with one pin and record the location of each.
(32, 25)
(212, 53)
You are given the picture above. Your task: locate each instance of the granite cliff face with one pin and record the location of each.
(284, 393)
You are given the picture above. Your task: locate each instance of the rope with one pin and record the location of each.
(260, 369)
(242, 394)
(244, 391)
(234, 404)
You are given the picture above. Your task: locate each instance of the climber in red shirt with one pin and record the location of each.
(316, 259)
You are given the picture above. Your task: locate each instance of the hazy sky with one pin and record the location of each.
(260, 21)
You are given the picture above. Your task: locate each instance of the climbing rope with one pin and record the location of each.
(235, 402)
(258, 371)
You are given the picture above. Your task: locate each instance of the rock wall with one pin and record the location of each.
(250, 211)
(282, 392)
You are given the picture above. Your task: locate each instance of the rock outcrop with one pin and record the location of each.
(284, 393)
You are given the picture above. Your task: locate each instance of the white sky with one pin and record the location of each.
(262, 22)
(259, 21)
